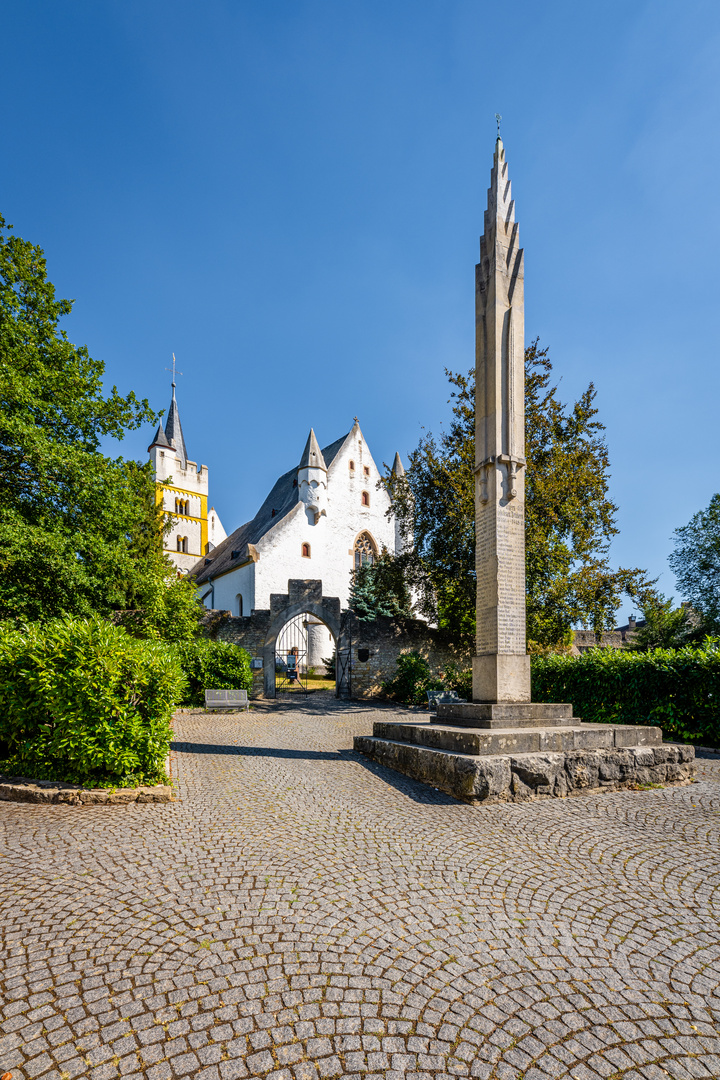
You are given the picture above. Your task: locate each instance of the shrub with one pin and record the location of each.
(676, 689)
(212, 665)
(329, 663)
(412, 680)
(459, 681)
(82, 701)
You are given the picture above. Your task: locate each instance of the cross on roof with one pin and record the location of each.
(174, 372)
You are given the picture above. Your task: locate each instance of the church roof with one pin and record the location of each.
(173, 431)
(281, 501)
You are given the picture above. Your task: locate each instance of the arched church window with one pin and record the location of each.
(179, 543)
(352, 466)
(365, 550)
(366, 470)
(306, 551)
(366, 498)
(239, 603)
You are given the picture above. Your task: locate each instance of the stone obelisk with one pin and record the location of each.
(501, 666)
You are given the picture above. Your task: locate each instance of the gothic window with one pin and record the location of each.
(306, 551)
(365, 550)
(366, 498)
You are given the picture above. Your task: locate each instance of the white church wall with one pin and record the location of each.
(240, 582)
(332, 538)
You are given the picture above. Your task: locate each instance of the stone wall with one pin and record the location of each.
(249, 633)
(374, 646)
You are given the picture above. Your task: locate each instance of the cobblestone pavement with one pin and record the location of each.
(303, 913)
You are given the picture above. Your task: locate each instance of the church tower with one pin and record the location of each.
(181, 488)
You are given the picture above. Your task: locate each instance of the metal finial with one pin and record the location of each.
(498, 118)
(173, 370)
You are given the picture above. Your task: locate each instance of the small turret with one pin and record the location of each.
(397, 468)
(312, 478)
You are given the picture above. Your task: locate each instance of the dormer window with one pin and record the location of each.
(365, 498)
(306, 551)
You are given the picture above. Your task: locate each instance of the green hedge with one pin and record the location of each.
(84, 702)
(675, 689)
(212, 665)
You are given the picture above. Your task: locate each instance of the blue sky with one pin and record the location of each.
(288, 194)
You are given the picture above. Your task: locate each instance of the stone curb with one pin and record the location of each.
(20, 789)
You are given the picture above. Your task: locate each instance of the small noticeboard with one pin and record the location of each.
(256, 663)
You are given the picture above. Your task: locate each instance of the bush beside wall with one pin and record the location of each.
(212, 665)
(82, 701)
(677, 690)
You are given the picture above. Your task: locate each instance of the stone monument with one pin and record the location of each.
(501, 746)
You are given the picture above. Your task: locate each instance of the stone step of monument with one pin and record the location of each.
(483, 742)
(517, 777)
(505, 715)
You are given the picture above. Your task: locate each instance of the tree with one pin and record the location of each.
(665, 627)
(695, 561)
(79, 533)
(570, 519)
(379, 588)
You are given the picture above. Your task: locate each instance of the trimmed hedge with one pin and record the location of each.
(212, 665)
(675, 689)
(83, 702)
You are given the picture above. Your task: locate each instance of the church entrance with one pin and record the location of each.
(306, 647)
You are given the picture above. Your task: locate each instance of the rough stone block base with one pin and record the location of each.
(20, 789)
(519, 777)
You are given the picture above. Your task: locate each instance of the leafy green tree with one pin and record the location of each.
(379, 588)
(665, 627)
(79, 533)
(570, 518)
(695, 561)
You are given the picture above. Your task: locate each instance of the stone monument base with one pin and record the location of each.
(489, 753)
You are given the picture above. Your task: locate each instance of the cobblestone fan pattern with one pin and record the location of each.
(303, 913)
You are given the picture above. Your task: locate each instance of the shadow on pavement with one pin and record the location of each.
(413, 789)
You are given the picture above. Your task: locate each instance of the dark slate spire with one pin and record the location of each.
(160, 439)
(312, 454)
(173, 431)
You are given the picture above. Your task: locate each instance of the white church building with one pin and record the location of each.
(322, 518)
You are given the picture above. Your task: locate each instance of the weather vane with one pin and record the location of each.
(173, 370)
(498, 118)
